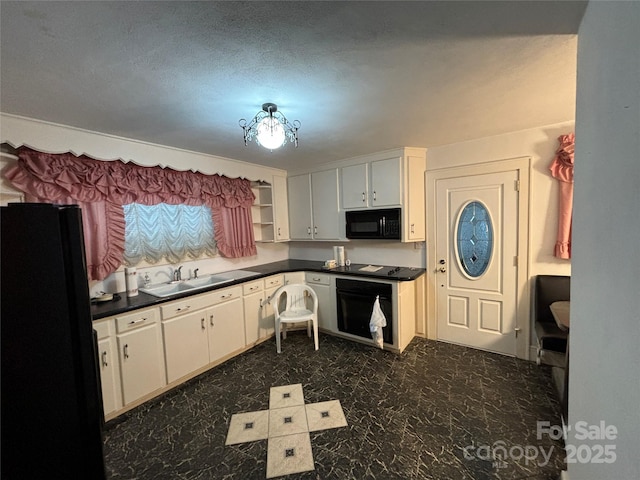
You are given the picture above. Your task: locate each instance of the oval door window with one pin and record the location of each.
(474, 239)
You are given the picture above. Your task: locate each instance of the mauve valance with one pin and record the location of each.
(58, 176)
(101, 188)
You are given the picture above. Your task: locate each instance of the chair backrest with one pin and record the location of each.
(549, 289)
(296, 293)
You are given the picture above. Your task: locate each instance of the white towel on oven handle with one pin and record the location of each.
(378, 320)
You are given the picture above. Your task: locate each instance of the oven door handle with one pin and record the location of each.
(358, 294)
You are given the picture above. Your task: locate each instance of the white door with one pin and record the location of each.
(476, 260)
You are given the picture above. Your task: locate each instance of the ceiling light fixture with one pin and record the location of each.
(270, 128)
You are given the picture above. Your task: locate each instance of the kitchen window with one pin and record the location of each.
(171, 232)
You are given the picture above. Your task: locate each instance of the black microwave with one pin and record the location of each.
(374, 224)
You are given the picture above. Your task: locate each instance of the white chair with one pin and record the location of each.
(297, 310)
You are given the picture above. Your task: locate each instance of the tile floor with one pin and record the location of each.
(437, 411)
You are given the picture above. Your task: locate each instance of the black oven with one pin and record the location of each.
(374, 224)
(355, 299)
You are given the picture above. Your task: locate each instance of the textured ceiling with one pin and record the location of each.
(360, 76)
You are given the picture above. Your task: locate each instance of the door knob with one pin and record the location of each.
(442, 270)
(442, 261)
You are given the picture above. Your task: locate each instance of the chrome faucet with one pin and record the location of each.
(177, 274)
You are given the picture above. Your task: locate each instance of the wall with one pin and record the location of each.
(59, 138)
(540, 144)
(604, 380)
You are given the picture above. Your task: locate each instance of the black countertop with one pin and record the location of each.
(122, 303)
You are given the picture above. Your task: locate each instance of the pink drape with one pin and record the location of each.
(102, 187)
(562, 169)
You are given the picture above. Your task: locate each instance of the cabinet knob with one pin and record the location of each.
(211, 320)
(125, 350)
(412, 228)
(363, 198)
(315, 230)
(308, 230)
(374, 195)
(104, 359)
(202, 323)
(278, 231)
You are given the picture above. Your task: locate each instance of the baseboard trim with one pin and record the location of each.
(533, 353)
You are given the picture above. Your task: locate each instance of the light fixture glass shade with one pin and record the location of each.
(270, 133)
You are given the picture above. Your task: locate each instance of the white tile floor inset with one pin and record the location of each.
(286, 421)
(248, 427)
(286, 425)
(286, 396)
(289, 454)
(325, 415)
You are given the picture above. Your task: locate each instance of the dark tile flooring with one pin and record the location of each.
(437, 411)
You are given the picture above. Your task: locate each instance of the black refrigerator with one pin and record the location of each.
(51, 403)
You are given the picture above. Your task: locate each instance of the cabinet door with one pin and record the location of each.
(326, 312)
(324, 287)
(324, 194)
(109, 378)
(354, 180)
(281, 210)
(141, 362)
(226, 328)
(414, 205)
(300, 225)
(253, 312)
(185, 344)
(386, 176)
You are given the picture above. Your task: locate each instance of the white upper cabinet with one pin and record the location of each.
(300, 222)
(374, 184)
(387, 180)
(355, 186)
(314, 212)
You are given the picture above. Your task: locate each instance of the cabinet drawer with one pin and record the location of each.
(275, 281)
(225, 295)
(124, 323)
(317, 278)
(252, 287)
(186, 305)
(104, 329)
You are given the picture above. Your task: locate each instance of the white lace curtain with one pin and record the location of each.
(172, 232)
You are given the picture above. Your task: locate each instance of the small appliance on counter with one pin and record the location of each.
(338, 255)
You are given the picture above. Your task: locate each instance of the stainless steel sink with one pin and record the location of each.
(164, 290)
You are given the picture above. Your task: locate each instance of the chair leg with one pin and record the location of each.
(278, 336)
(315, 332)
(309, 328)
(283, 327)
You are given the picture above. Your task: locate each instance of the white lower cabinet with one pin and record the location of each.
(140, 354)
(225, 328)
(321, 283)
(109, 369)
(194, 340)
(145, 352)
(258, 312)
(186, 346)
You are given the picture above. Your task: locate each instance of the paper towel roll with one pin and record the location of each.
(131, 279)
(338, 255)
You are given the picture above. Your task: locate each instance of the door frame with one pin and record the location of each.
(523, 166)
